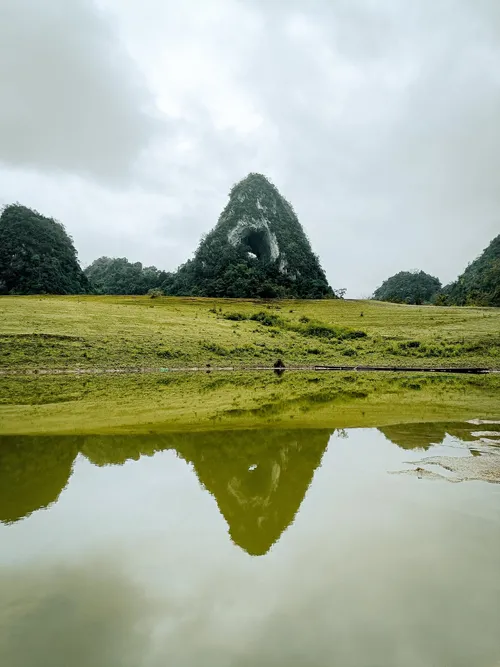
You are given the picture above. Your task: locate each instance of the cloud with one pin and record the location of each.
(378, 121)
(72, 99)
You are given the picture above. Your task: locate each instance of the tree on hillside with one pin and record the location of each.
(413, 287)
(257, 249)
(36, 255)
(479, 284)
(116, 275)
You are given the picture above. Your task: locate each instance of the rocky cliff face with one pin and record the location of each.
(257, 248)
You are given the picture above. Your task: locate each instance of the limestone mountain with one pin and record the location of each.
(257, 248)
(36, 255)
(479, 284)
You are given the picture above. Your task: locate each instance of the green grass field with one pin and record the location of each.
(117, 332)
(92, 333)
(154, 403)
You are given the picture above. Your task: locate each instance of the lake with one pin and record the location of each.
(252, 548)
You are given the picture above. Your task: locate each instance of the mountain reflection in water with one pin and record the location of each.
(331, 559)
(258, 478)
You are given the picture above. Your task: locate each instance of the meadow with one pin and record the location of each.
(159, 402)
(106, 332)
(58, 356)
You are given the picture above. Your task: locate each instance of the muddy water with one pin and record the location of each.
(252, 549)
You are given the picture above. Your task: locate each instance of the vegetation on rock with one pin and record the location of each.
(257, 249)
(412, 287)
(36, 255)
(108, 275)
(479, 284)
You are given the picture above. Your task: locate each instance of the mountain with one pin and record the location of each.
(36, 255)
(257, 249)
(413, 287)
(479, 284)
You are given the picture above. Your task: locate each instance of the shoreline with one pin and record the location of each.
(208, 368)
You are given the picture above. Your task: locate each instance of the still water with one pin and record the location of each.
(247, 549)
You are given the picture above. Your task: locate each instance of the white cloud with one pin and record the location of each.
(72, 99)
(376, 119)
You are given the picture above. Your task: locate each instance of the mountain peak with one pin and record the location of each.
(257, 248)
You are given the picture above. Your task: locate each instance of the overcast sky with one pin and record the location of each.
(379, 120)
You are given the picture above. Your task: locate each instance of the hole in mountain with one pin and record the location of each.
(258, 244)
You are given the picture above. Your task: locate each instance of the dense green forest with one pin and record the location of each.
(108, 275)
(413, 287)
(479, 284)
(36, 255)
(257, 249)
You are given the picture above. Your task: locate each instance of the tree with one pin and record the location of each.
(36, 255)
(413, 287)
(479, 284)
(108, 275)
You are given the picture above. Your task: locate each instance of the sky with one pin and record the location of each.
(379, 120)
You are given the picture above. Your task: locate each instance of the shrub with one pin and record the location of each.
(266, 319)
(320, 330)
(170, 354)
(235, 317)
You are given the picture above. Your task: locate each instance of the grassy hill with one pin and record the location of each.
(88, 332)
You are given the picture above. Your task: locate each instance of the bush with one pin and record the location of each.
(266, 319)
(320, 330)
(170, 354)
(155, 293)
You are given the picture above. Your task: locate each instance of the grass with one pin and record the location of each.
(69, 333)
(173, 401)
(121, 332)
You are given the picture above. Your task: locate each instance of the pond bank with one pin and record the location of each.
(208, 368)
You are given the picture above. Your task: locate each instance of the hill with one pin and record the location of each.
(36, 255)
(257, 249)
(479, 284)
(411, 287)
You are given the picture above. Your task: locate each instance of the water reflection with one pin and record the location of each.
(258, 478)
(131, 565)
(89, 616)
(425, 435)
(33, 472)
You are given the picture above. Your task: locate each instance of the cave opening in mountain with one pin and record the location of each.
(258, 243)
